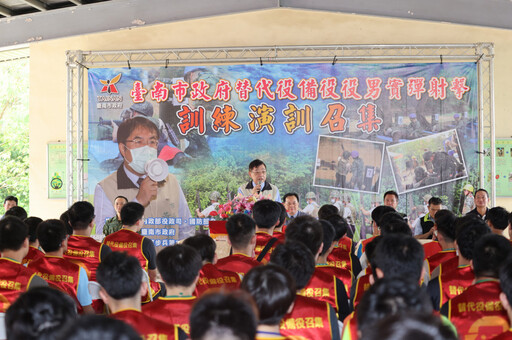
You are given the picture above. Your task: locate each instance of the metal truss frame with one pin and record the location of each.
(78, 61)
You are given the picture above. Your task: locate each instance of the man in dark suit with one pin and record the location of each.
(291, 203)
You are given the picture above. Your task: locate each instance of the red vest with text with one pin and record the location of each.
(350, 327)
(453, 282)
(84, 251)
(477, 313)
(362, 285)
(33, 254)
(262, 238)
(322, 286)
(448, 265)
(345, 243)
(212, 277)
(342, 274)
(146, 326)
(173, 310)
(436, 259)
(14, 280)
(431, 248)
(504, 336)
(279, 235)
(238, 263)
(340, 258)
(309, 318)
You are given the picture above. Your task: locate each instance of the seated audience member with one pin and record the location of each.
(477, 311)
(376, 216)
(363, 282)
(15, 277)
(209, 276)
(9, 202)
(342, 255)
(132, 215)
(278, 230)
(33, 251)
(241, 235)
(266, 216)
(298, 260)
(59, 272)
(291, 203)
(327, 210)
(91, 327)
(179, 267)
(454, 279)
(39, 314)
(393, 223)
(122, 286)
(273, 290)
(444, 231)
(497, 219)
(510, 226)
(481, 200)
(114, 223)
(226, 316)
(423, 226)
(64, 218)
(18, 212)
(506, 296)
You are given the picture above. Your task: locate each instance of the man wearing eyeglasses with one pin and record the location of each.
(138, 142)
(258, 184)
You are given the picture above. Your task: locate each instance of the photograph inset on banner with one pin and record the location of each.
(348, 164)
(427, 161)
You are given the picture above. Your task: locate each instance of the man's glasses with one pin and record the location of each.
(139, 142)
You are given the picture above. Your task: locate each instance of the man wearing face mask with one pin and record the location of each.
(138, 141)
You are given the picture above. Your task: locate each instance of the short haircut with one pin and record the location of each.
(466, 220)
(13, 232)
(340, 226)
(11, 198)
(219, 315)
(290, 194)
(89, 327)
(469, 235)
(18, 212)
(64, 217)
(329, 233)
(256, 163)
(39, 314)
(481, 189)
(379, 211)
(307, 230)
(498, 217)
(506, 279)
(32, 222)
(435, 201)
(491, 251)
(273, 290)
(131, 212)
(120, 275)
(266, 213)
(51, 233)
(240, 228)
(369, 250)
(204, 244)
(390, 192)
(282, 215)
(393, 223)
(128, 126)
(297, 259)
(179, 265)
(80, 215)
(445, 221)
(327, 210)
(399, 256)
(120, 196)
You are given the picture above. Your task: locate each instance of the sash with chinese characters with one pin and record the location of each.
(238, 263)
(173, 310)
(340, 258)
(350, 327)
(477, 313)
(14, 280)
(262, 239)
(322, 286)
(345, 243)
(362, 285)
(211, 277)
(84, 251)
(33, 254)
(146, 326)
(344, 275)
(454, 282)
(435, 260)
(309, 318)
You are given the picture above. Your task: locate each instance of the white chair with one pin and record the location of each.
(145, 278)
(94, 291)
(3, 336)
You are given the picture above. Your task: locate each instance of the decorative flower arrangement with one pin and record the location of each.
(239, 204)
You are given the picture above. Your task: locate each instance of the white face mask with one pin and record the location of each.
(140, 157)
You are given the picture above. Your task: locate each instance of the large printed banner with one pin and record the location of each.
(347, 130)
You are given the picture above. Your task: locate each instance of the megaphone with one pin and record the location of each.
(156, 169)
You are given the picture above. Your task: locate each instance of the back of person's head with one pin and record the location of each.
(13, 232)
(399, 256)
(120, 275)
(327, 210)
(179, 265)
(490, 253)
(506, 279)
(307, 230)
(282, 214)
(389, 296)
(220, 315)
(469, 235)
(131, 213)
(80, 215)
(445, 222)
(51, 233)
(393, 223)
(64, 217)
(465, 221)
(89, 327)
(18, 212)
(379, 211)
(204, 245)
(328, 238)
(266, 213)
(340, 226)
(369, 250)
(32, 222)
(39, 314)
(498, 217)
(273, 289)
(297, 259)
(241, 229)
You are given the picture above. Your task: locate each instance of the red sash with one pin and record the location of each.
(146, 326)
(279, 235)
(431, 248)
(175, 311)
(340, 258)
(350, 327)
(84, 251)
(454, 282)
(14, 280)
(238, 263)
(211, 277)
(436, 259)
(362, 285)
(322, 286)
(365, 242)
(449, 265)
(33, 254)
(345, 243)
(342, 274)
(262, 238)
(504, 336)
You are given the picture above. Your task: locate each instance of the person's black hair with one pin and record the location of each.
(389, 296)
(128, 126)
(379, 211)
(240, 228)
(282, 215)
(328, 238)
(435, 201)
(120, 275)
(390, 192)
(32, 222)
(80, 215)
(327, 210)
(490, 253)
(399, 256)
(445, 222)
(290, 194)
(256, 163)
(393, 223)
(466, 220)
(64, 217)
(340, 226)
(11, 198)
(13, 232)
(427, 155)
(204, 244)
(39, 314)
(506, 279)
(297, 259)
(273, 289)
(266, 213)
(510, 218)
(120, 196)
(307, 230)
(369, 250)
(18, 212)
(89, 327)
(220, 313)
(179, 265)
(131, 212)
(498, 217)
(481, 189)
(51, 233)
(469, 235)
